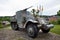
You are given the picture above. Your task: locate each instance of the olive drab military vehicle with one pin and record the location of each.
(24, 19)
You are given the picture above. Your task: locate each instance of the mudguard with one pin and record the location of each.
(30, 20)
(33, 21)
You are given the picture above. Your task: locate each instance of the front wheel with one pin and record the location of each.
(14, 26)
(45, 31)
(32, 30)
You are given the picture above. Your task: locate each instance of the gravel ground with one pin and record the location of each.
(9, 34)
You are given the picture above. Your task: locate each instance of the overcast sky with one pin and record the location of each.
(9, 7)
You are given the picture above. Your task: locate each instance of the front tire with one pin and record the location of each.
(45, 31)
(14, 26)
(32, 30)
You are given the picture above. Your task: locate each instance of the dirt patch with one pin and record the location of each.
(9, 34)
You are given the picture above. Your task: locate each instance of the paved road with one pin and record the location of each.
(9, 34)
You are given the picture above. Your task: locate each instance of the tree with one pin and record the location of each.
(58, 13)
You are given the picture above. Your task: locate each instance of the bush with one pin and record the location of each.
(6, 18)
(58, 21)
(55, 22)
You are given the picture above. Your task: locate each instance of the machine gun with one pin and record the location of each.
(27, 8)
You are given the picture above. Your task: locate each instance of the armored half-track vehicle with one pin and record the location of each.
(24, 19)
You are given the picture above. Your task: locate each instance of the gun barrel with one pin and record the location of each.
(27, 8)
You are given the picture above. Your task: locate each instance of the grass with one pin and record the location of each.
(20, 39)
(9, 28)
(56, 29)
(5, 26)
(1, 26)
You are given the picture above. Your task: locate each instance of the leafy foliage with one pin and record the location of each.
(6, 18)
(58, 13)
(58, 21)
(55, 22)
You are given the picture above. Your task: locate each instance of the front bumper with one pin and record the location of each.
(50, 26)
